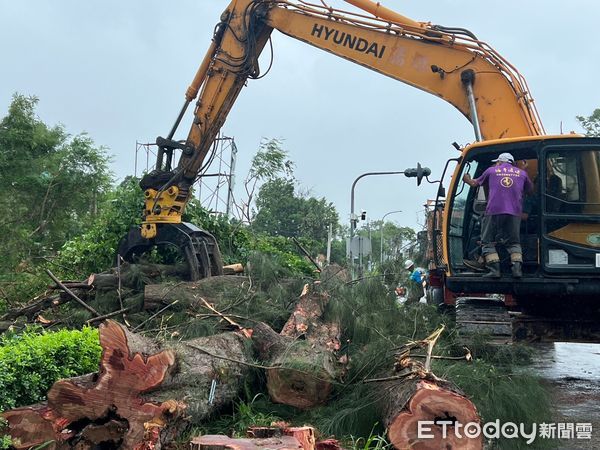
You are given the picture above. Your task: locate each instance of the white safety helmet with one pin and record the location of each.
(408, 264)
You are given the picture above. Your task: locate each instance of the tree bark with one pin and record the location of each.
(303, 359)
(110, 278)
(157, 296)
(142, 396)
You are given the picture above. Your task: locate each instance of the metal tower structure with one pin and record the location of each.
(215, 186)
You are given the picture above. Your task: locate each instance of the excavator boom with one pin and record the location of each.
(450, 63)
(442, 63)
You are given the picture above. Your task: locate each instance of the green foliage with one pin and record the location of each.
(284, 252)
(96, 248)
(396, 240)
(245, 416)
(282, 212)
(31, 362)
(5, 442)
(269, 161)
(51, 183)
(278, 209)
(591, 124)
(375, 326)
(317, 215)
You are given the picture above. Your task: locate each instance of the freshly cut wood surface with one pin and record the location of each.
(143, 395)
(410, 400)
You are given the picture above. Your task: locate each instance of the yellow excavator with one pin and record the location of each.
(561, 235)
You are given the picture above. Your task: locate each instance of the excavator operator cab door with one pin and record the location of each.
(468, 205)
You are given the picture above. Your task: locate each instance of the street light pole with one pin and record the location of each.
(353, 218)
(418, 173)
(382, 223)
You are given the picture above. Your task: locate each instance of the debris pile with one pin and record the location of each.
(177, 354)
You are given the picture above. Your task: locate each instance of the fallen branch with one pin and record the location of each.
(243, 330)
(155, 315)
(108, 316)
(73, 296)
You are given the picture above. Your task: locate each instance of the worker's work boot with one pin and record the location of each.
(517, 264)
(494, 270)
(516, 269)
(476, 265)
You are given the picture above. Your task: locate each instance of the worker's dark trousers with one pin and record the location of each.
(501, 229)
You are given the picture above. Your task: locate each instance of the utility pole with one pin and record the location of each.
(329, 239)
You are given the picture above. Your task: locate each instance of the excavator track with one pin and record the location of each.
(483, 316)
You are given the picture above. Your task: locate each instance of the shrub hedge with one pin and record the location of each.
(32, 361)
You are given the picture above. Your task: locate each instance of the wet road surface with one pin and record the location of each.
(573, 373)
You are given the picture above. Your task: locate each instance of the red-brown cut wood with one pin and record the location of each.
(221, 442)
(142, 397)
(408, 401)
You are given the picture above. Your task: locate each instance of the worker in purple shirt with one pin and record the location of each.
(501, 223)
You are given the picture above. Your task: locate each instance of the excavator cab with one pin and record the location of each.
(560, 228)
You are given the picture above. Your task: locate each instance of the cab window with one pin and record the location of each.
(572, 182)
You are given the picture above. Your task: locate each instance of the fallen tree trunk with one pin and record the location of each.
(422, 411)
(303, 359)
(130, 274)
(212, 289)
(142, 396)
(31, 310)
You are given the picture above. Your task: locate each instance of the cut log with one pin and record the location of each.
(233, 269)
(303, 359)
(132, 273)
(328, 444)
(156, 296)
(412, 400)
(275, 437)
(304, 435)
(148, 393)
(220, 442)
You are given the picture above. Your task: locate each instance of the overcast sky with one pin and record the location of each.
(118, 71)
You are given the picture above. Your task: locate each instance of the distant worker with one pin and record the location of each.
(418, 282)
(502, 221)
